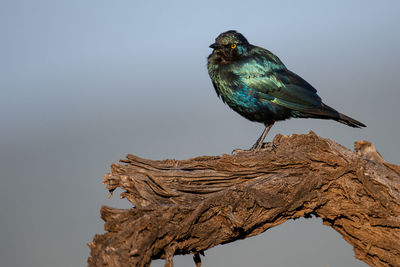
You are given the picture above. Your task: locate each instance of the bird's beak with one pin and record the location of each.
(215, 46)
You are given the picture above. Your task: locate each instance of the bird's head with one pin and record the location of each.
(230, 45)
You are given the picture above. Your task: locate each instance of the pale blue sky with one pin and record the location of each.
(85, 82)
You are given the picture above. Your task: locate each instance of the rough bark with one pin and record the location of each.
(189, 206)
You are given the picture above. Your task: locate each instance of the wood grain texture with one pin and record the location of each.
(189, 206)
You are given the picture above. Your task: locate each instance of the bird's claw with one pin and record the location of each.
(255, 149)
(237, 151)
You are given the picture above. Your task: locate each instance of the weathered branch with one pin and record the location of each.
(189, 206)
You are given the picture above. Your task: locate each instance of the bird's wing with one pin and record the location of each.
(280, 86)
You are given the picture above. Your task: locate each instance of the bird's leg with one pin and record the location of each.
(257, 146)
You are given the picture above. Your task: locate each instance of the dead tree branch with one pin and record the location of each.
(189, 206)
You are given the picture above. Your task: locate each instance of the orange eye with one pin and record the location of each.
(233, 46)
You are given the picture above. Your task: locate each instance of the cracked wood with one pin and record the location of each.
(189, 206)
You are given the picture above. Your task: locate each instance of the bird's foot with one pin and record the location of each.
(238, 150)
(255, 148)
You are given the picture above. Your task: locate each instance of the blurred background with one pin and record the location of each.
(85, 82)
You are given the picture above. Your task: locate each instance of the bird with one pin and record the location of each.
(255, 83)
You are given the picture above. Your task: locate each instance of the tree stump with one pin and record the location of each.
(189, 206)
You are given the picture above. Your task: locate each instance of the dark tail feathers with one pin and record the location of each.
(337, 116)
(350, 121)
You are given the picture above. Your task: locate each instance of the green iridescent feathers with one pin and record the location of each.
(256, 84)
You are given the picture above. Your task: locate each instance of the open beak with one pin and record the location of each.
(215, 46)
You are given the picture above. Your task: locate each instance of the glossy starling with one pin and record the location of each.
(257, 85)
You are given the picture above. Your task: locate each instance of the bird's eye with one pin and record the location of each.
(233, 46)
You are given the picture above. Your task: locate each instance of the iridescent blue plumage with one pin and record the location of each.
(257, 85)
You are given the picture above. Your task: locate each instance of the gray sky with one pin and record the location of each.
(85, 82)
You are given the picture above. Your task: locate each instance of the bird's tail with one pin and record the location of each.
(337, 116)
(350, 121)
